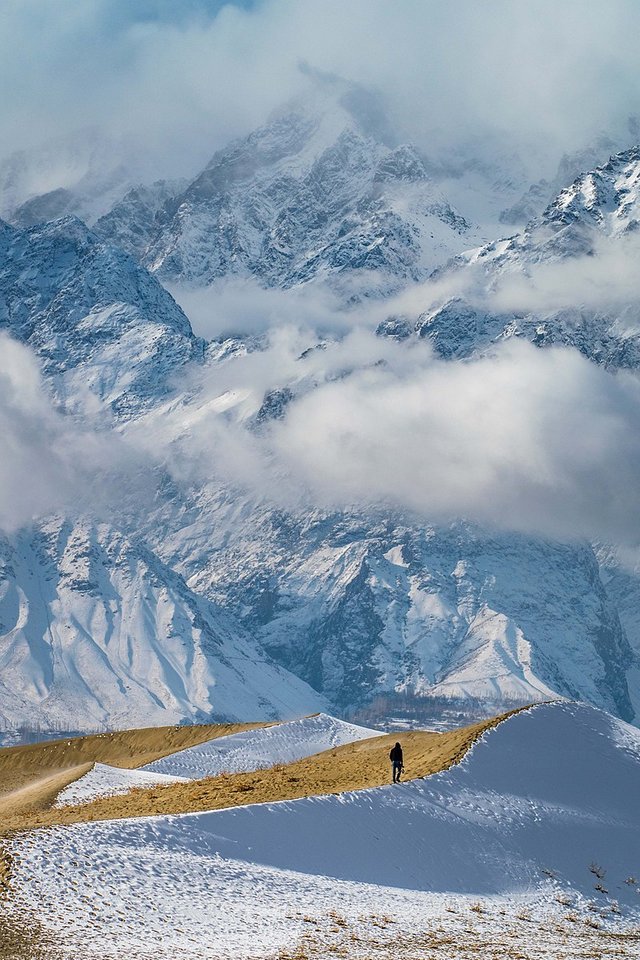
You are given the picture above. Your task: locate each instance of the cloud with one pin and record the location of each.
(51, 462)
(182, 78)
(605, 280)
(236, 307)
(529, 440)
(536, 441)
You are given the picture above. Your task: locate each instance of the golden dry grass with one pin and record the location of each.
(354, 766)
(32, 776)
(22, 938)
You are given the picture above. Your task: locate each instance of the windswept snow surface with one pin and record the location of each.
(543, 798)
(264, 747)
(105, 781)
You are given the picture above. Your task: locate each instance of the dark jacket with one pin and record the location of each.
(396, 754)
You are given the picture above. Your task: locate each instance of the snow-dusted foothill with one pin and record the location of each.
(539, 822)
(106, 781)
(97, 633)
(262, 747)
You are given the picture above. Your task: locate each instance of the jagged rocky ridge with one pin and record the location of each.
(323, 190)
(94, 317)
(596, 215)
(358, 605)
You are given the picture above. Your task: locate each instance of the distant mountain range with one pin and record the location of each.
(212, 601)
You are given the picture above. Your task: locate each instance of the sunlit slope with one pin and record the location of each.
(32, 776)
(352, 766)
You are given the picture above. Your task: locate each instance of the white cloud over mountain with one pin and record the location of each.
(180, 80)
(50, 461)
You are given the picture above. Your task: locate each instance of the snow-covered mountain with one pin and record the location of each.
(593, 221)
(95, 631)
(322, 190)
(363, 606)
(384, 608)
(96, 319)
(82, 174)
(572, 165)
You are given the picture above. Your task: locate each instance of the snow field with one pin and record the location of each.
(105, 781)
(263, 747)
(514, 831)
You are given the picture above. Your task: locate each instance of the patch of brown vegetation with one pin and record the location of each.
(354, 766)
(22, 938)
(377, 938)
(32, 776)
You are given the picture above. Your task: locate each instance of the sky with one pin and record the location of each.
(178, 79)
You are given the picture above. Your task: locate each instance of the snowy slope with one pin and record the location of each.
(541, 802)
(240, 752)
(105, 781)
(264, 747)
(95, 632)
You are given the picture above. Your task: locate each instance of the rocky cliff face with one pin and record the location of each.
(318, 192)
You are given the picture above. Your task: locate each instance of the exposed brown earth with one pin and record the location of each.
(354, 766)
(22, 938)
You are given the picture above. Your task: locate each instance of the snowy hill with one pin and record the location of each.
(526, 835)
(263, 747)
(249, 750)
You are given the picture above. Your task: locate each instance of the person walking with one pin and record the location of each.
(396, 762)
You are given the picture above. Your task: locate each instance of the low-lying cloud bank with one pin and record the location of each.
(606, 280)
(529, 440)
(538, 441)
